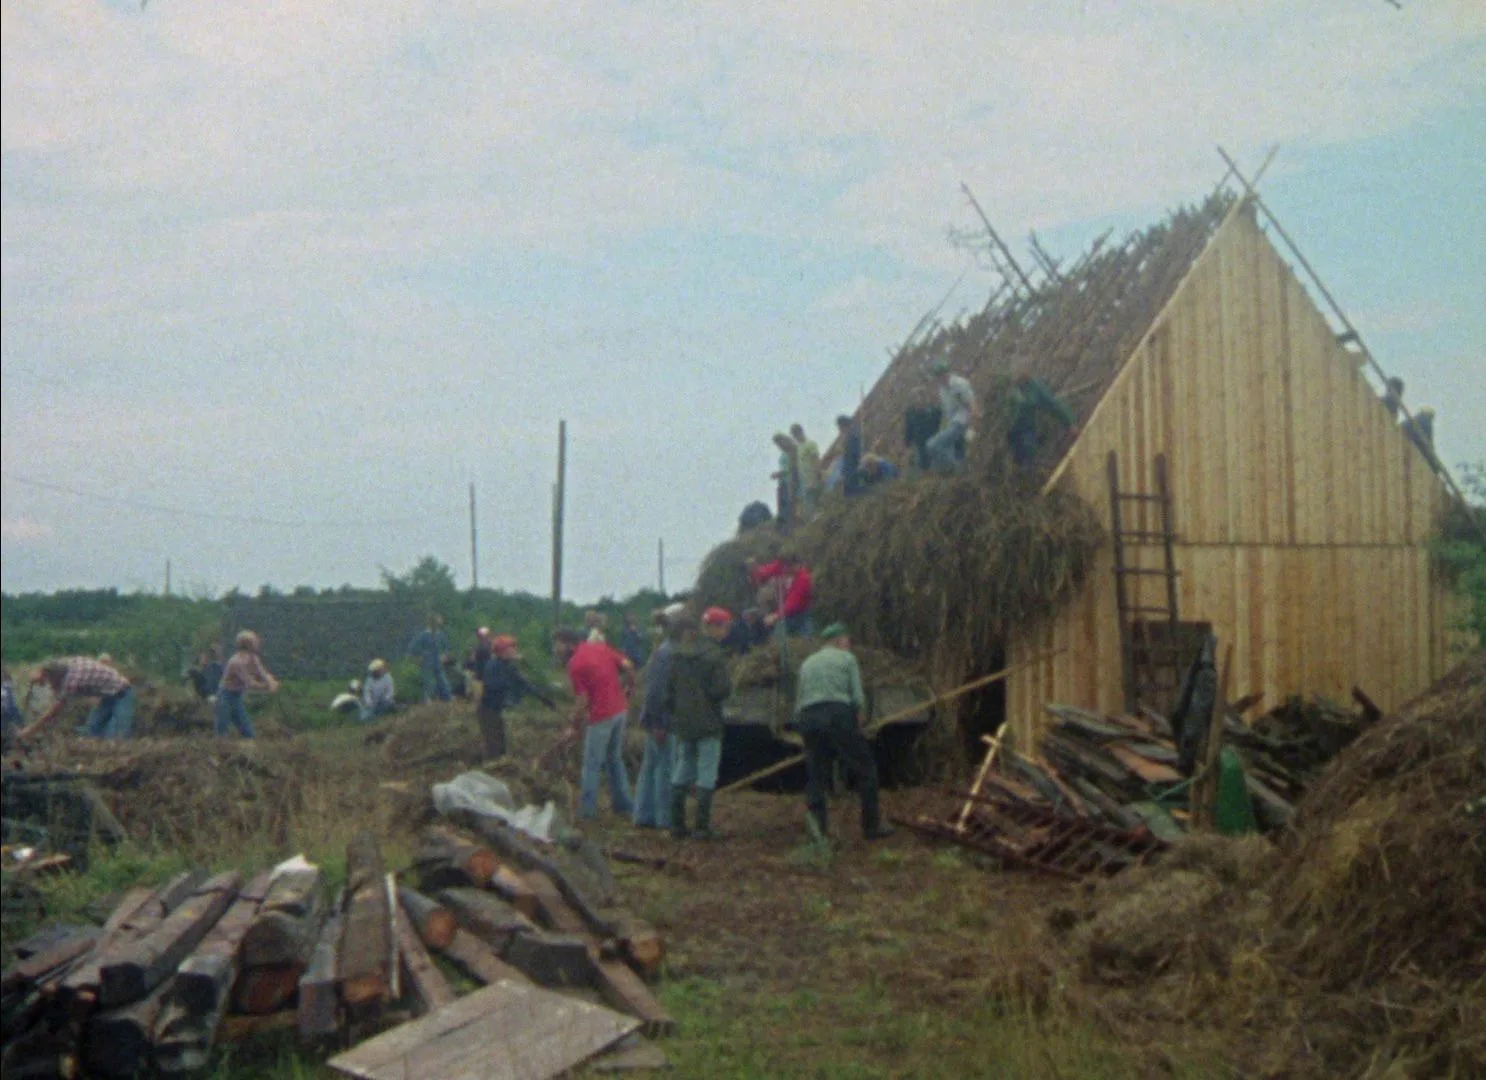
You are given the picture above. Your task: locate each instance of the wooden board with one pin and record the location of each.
(423, 980)
(476, 959)
(504, 1032)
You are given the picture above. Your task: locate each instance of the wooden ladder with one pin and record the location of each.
(1152, 667)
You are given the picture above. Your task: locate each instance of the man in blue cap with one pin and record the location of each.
(830, 709)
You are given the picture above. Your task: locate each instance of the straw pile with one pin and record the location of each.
(1359, 949)
(760, 667)
(933, 569)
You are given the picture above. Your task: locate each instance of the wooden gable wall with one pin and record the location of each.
(1303, 515)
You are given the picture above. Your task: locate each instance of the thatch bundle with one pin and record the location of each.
(760, 667)
(723, 577)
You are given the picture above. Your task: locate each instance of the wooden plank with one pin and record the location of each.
(507, 1031)
(318, 1014)
(476, 959)
(40, 964)
(80, 987)
(116, 1041)
(132, 971)
(367, 939)
(424, 981)
(513, 888)
(237, 1029)
(1152, 772)
(642, 945)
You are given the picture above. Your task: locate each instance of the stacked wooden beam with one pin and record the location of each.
(202, 960)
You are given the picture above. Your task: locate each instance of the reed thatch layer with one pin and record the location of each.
(879, 667)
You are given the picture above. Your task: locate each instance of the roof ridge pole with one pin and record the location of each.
(996, 238)
(1352, 333)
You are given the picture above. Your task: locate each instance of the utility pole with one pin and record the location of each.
(559, 494)
(167, 577)
(661, 563)
(474, 545)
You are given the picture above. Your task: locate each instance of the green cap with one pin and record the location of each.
(835, 630)
(939, 367)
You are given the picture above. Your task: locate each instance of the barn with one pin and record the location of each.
(1250, 479)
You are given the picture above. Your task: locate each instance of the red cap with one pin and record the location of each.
(503, 644)
(717, 616)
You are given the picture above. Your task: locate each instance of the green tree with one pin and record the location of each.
(1461, 552)
(429, 578)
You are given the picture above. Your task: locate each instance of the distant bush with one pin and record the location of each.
(1461, 552)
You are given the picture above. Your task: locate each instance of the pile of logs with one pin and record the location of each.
(203, 960)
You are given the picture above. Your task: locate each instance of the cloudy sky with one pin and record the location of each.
(281, 278)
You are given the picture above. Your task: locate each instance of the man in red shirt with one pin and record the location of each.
(794, 591)
(599, 675)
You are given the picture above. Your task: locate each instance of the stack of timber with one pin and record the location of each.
(199, 961)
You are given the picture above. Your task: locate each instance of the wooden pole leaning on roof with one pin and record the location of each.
(899, 716)
(1352, 332)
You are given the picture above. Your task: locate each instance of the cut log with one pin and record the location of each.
(80, 988)
(367, 940)
(510, 844)
(512, 888)
(137, 968)
(43, 1053)
(447, 860)
(424, 982)
(264, 990)
(434, 923)
(473, 957)
(486, 915)
(236, 1029)
(555, 909)
(187, 1024)
(288, 923)
(116, 1041)
(640, 943)
(319, 1004)
(552, 959)
(620, 986)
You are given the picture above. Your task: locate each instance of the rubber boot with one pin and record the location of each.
(872, 826)
(678, 813)
(703, 831)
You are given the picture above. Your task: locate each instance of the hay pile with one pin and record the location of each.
(1357, 949)
(933, 569)
(197, 794)
(760, 667)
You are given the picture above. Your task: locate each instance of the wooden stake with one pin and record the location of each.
(993, 746)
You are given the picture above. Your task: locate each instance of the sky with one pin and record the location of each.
(281, 279)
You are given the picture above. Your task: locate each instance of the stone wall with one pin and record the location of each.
(324, 637)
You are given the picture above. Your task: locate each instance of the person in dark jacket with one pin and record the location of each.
(503, 686)
(632, 643)
(653, 788)
(699, 685)
(849, 435)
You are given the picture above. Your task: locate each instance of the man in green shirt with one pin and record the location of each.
(699, 684)
(830, 709)
(1029, 397)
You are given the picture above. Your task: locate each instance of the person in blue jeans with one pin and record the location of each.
(82, 676)
(243, 673)
(653, 788)
(429, 647)
(958, 408)
(698, 686)
(599, 675)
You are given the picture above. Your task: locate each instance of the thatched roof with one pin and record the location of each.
(1074, 331)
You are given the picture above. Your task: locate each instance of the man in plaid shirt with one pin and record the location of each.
(82, 676)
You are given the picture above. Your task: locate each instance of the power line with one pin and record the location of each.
(234, 519)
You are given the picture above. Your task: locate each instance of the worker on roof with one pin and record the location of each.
(848, 463)
(1027, 399)
(653, 786)
(958, 409)
(793, 593)
(502, 685)
(430, 646)
(1393, 396)
(82, 676)
(244, 672)
(807, 464)
(876, 470)
(599, 675)
(1420, 431)
(830, 711)
(787, 482)
(696, 690)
